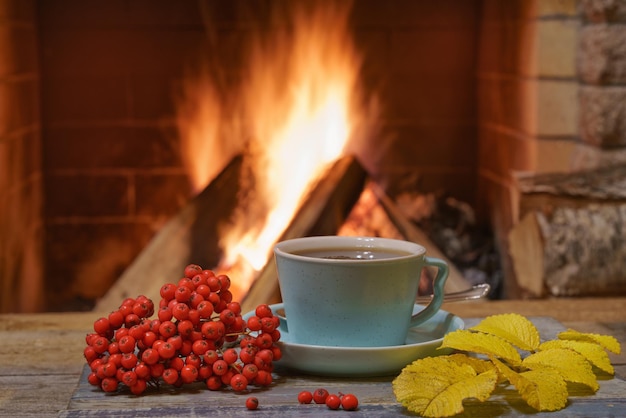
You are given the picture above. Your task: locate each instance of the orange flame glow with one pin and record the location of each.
(298, 99)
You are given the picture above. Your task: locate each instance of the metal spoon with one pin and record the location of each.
(475, 292)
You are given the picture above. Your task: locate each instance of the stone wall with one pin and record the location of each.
(602, 68)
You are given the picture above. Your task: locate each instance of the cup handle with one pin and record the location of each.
(438, 291)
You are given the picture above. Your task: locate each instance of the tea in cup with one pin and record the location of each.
(354, 291)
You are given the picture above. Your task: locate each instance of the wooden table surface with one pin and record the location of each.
(41, 364)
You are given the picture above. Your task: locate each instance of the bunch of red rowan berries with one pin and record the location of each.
(198, 335)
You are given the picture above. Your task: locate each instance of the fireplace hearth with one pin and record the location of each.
(470, 95)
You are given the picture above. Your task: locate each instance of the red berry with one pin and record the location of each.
(200, 347)
(166, 350)
(177, 363)
(165, 313)
(109, 384)
(252, 403)
(193, 360)
(250, 371)
(93, 379)
(239, 382)
(235, 307)
(263, 311)
(116, 319)
(181, 311)
(210, 357)
(100, 345)
(167, 291)
(320, 395)
(170, 376)
(213, 283)
(220, 367)
(129, 360)
(182, 294)
(156, 370)
(142, 309)
(264, 341)
(227, 317)
(102, 326)
(129, 378)
(189, 373)
(167, 329)
(214, 382)
(142, 370)
(90, 354)
(305, 397)
(333, 401)
(230, 355)
(254, 323)
(349, 402)
(150, 356)
(131, 319)
(224, 285)
(191, 270)
(227, 376)
(263, 378)
(185, 328)
(213, 330)
(139, 387)
(205, 309)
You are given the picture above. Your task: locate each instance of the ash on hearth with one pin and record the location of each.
(451, 225)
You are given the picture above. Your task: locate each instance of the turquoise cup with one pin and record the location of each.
(354, 291)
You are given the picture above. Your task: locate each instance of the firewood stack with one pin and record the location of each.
(571, 238)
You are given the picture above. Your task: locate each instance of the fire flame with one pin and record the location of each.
(295, 113)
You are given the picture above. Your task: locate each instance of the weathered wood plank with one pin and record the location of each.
(34, 396)
(375, 394)
(37, 381)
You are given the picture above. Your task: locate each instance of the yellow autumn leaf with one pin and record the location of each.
(607, 341)
(437, 386)
(477, 342)
(572, 366)
(593, 352)
(477, 364)
(543, 389)
(514, 328)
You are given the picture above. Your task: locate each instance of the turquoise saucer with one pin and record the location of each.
(422, 341)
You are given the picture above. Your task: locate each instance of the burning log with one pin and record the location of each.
(192, 236)
(411, 232)
(373, 214)
(333, 203)
(571, 239)
(323, 213)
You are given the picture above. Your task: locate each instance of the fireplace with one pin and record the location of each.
(91, 165)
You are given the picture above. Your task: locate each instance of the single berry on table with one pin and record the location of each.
(252, 403)
(349, 402)
(305, 397)
(333, 401)
(320, 395)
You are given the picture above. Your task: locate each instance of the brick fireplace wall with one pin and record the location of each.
(489, 87)
(113, 172)
(21, 180)
(112, 169)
